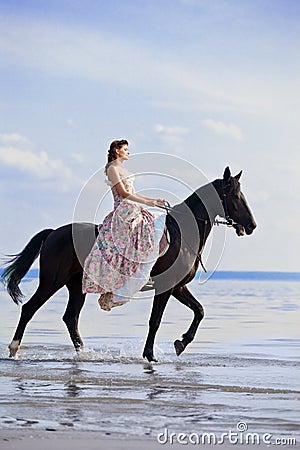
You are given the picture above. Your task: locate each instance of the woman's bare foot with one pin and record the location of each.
(106, 301)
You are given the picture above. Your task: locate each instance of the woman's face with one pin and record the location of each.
(123, 152)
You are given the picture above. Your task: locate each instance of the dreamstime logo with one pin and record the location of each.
(241, 437)
(158, 176)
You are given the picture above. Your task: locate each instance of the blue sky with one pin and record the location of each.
(213, 82)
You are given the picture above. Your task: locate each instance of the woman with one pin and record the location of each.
(127, 246)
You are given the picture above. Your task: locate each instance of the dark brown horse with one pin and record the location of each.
(63, 251)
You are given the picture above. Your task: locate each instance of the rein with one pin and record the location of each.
(168, 208)
(226, 221)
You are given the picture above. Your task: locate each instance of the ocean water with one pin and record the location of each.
(242, 367)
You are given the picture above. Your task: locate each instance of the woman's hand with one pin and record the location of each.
(155, 202)
(160, 202)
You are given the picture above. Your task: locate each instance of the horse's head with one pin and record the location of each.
(234, 203)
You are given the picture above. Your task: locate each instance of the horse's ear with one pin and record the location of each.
(227, 175)
(238, 176)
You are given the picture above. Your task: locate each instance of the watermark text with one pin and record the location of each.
(240, 436)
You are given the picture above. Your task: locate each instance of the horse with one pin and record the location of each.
(62, 252)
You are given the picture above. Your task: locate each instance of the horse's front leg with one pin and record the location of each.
(159, 303)
(186, 298)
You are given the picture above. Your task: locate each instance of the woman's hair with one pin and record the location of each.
(112, 151)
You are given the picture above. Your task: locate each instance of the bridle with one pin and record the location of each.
(228, 221)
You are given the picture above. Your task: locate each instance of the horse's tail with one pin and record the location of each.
(20, 264)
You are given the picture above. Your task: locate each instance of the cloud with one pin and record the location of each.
(174, 130)
(7, 138)
(38, 164)
(219, 127)
(83, 53)
(50, 173)
(171, 135)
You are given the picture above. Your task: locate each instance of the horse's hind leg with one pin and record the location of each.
(186, 298)
(41, 295)
(75, 304)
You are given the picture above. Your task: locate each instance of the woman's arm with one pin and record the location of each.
(115, 179)
(148, 201)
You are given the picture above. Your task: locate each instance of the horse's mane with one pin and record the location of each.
(204, 201)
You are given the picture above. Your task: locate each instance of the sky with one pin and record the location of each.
(213, 83)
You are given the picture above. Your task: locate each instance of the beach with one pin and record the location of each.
(240, 375)
(26, 440)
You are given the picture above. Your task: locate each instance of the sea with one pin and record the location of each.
(240, 374)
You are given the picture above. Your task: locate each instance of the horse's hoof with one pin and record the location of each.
(179, 347)
(151, 360)
(149, 356)
(79, 349)
(13, 348)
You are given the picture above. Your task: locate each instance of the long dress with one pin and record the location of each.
(125, 250)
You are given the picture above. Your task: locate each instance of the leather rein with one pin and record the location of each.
(226, 221)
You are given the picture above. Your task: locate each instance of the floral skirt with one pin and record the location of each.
(124, 252)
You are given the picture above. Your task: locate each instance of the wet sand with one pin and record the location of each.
(243, 367)
(49, 440)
